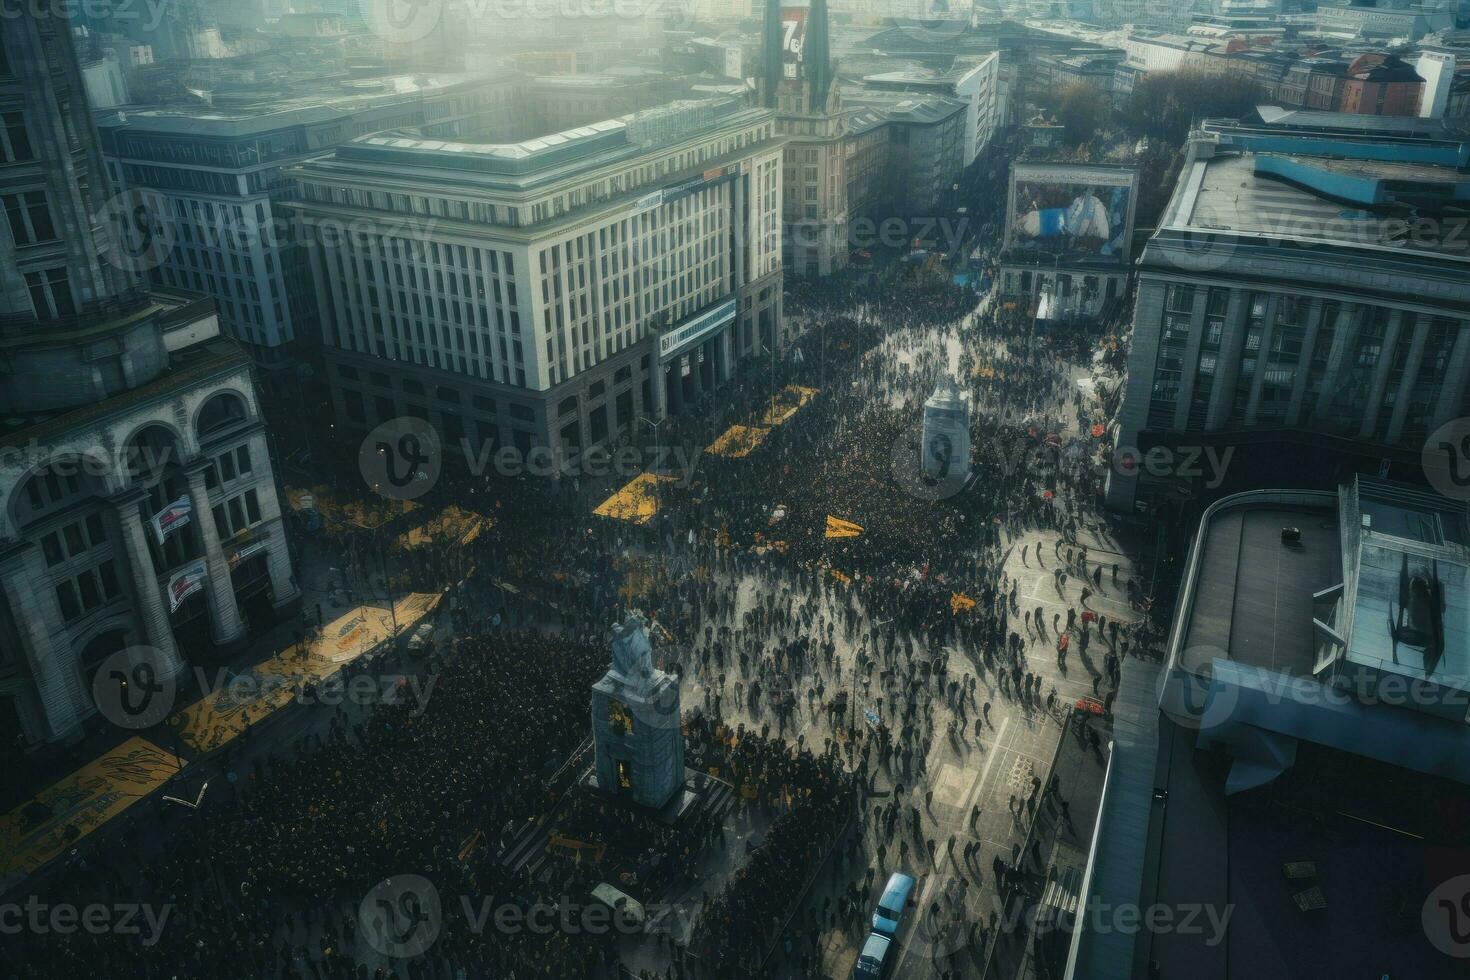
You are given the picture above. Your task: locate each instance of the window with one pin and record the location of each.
(29, 217)
(15, 144)
(252, 506)
(242, 459)
(51, 293)
(66, 597)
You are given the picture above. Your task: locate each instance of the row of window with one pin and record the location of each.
(74, 540)
(91, 588)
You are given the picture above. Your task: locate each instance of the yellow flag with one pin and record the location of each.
(959, 601)
(844, 579)
(838, 528)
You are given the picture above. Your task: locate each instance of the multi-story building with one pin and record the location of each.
(977, 85)
(1306, 293)
(1069, 237)
(1381, 85)
(215, 176)
(1313, 691)
(137, 502)
(798, 81)
(548, 292)
(903, 156)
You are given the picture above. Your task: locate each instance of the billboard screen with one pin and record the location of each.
(793, 33)
(1072, 212)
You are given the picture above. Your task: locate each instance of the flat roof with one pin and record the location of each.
(1225, 193)
(571, 149)
(335, 98)
(1253, 593)
(1372, 837)
(1310, 119)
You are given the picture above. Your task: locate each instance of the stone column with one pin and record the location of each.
(1386, 353)
(1405, 393)
(1453, 390)
(1189, 370)
(1263, 360)
(224, 613)
(1304, 362)
(147, 593)
(1349, 317)
(696, 371)
(657, 388)
(52, 668)
(727, 351)
(1227, 365)
(278, 552)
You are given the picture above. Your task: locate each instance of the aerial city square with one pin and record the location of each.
(714, 489)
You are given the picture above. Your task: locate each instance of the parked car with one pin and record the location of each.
(889, 914)
(874, 962)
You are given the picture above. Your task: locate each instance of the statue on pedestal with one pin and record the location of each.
(636, 722)
(946, 434)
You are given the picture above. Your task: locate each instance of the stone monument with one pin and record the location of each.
(946, 433)
(636, 723)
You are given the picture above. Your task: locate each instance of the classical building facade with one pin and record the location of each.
(137, 502)
(549, 292)
(1286, 301)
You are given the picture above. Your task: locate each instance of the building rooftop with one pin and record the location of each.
(327, 99)
(1253, 598)
(1314, 200)
(1307, 120)
(555, 154)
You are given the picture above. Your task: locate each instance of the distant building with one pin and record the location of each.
(116, 403)
(214, 174)
(904, 155)
(548, 292)
(798, 81)
(1285, 306)
(977, 85)
(1381, 85)
(1437, 68)
(1068, 242)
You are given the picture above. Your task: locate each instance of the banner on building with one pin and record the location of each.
(245, 551)
(185, 582)
(172, 517)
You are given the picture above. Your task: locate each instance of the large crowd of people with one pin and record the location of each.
(750, 606)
